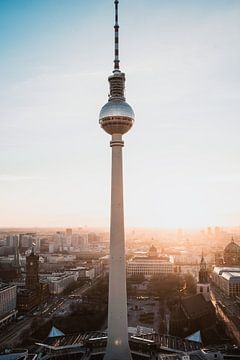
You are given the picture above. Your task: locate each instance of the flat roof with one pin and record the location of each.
(4, 286)
(220, 269)
(166, 342)
(231, 276)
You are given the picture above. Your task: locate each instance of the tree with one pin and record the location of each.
(190, 284)
(165, 287)
(136, 279)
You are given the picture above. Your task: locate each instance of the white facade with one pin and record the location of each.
(8, 300)
(60, 281)
(227, 279)
(87, 273)
(149, 267)
(84, 272)
(54, 259)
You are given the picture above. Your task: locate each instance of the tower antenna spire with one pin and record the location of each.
(116, 39)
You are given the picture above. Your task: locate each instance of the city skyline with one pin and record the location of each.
(181, 168)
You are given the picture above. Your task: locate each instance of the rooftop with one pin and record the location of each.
(195, 306)
(164, 342)
(232, 276)
(220, 269)
(4, 286)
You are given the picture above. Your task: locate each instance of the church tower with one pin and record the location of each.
(203, 285)
(32, 278)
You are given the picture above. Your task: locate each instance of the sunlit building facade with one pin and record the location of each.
(149, 267)
(58, 282)
(150, 264)
(227, 279)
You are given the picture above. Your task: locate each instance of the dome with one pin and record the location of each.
(116, 108)
(116, 117)
(232, 254)
(232, 247)
(153, 252)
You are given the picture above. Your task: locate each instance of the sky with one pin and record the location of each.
(181, 158)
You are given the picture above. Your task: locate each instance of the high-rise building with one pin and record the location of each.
(8, 296)
(11, 240)
(16, 254)
(116, 118)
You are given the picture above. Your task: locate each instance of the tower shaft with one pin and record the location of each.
(116, 118)
(117, 345)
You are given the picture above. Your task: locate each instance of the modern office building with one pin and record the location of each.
(58, 282)
(227, 279)
(8, 301)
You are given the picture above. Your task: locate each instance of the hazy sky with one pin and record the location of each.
(181, 158)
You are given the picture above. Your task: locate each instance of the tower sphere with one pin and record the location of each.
(116, 117)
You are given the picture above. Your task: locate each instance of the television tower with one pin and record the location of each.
(116, 118)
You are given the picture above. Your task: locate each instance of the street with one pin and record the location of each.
(229, 312)
(57, 305)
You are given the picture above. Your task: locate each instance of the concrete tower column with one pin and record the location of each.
(116, 118)
(117, 346)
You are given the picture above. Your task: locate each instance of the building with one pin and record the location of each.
(149, 346)
(116, 118)
(11, 240)
(69, 232)
(231, 254)
(227, 279)
(203, 285)
(85, 273)
(150, 265)
(34, 291)
(27, 299)
(8, 301)
(56, 259)
(26, 240)
(32, 270)
(198, 312)
(58, 282)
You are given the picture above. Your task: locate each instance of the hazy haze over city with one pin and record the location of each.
(181, 60)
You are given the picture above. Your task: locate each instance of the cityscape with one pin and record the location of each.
(183, 284)
(158, 277)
